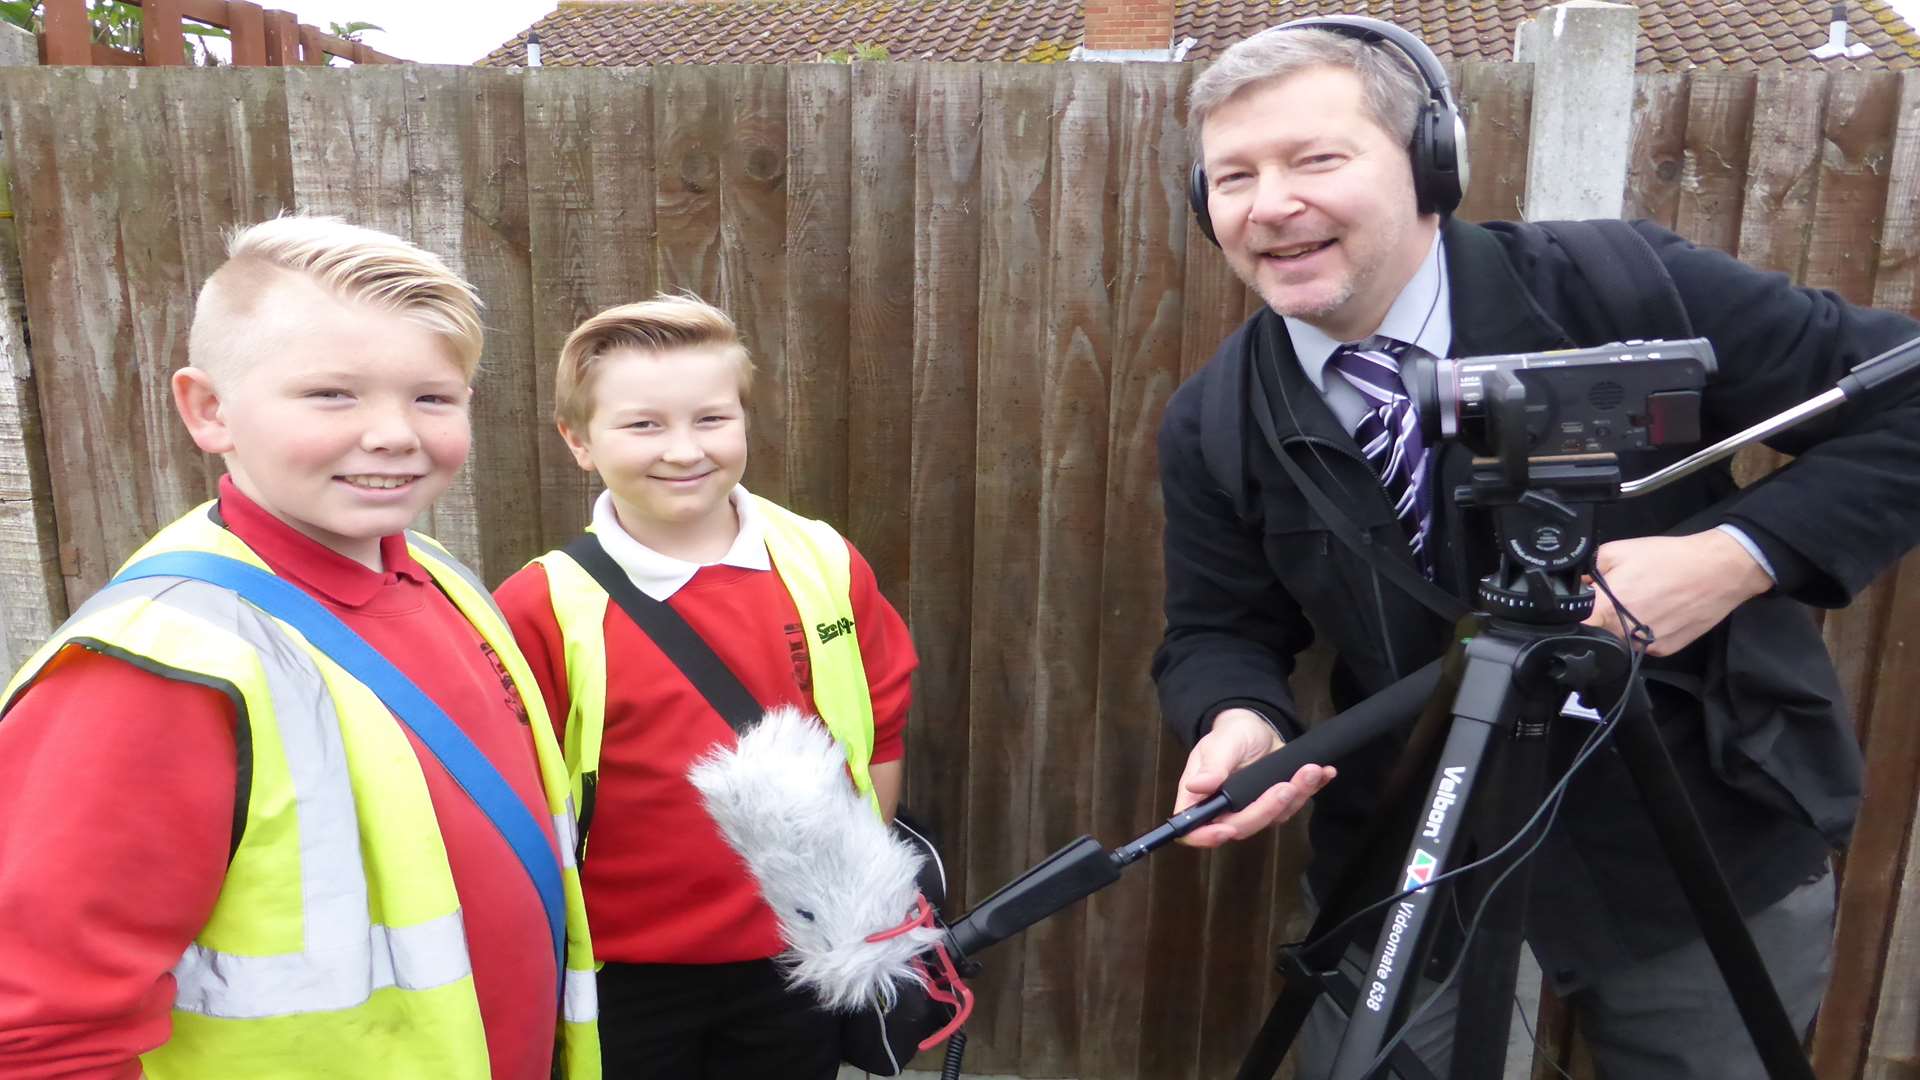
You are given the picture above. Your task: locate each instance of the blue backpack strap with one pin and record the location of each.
(1630, 283)
(437, 732)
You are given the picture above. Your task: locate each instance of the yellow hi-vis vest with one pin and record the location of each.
(813, 563)
(336, 947)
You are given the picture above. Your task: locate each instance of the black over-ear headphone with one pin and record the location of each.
(1439, 147)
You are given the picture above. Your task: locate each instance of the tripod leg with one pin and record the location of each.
(1721, 923)
(1482, 709)
(1490, 964)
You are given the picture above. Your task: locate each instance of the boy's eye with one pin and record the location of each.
(326, 393)
(642, 425)
(716, 418)
(439, 399)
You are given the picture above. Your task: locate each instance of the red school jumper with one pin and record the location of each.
(117, 812)
(662, 886)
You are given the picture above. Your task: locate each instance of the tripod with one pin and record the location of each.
(1522, 656)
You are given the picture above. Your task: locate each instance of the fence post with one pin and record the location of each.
(247, 26)
(1582, 56)
(67, 34)
(283, 39)
(163, 42)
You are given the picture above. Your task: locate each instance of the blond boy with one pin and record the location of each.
(221, 855)
(651, 396)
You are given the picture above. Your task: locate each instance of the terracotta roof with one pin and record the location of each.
(1673, 33)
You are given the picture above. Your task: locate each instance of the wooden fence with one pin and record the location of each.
(971, 289)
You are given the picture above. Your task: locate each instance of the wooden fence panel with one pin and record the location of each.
(1659, 144)
(1782, 169)
(689, 136)
(1879, 861)
(1713, 175)
(32, 599)
(590, 226)
(1497, 102)
(348, 146)
(947, 226)
(1014, 246)
(880, 352)
(753, 257)
(69, 185)
(1071, 529)
(818, 320)
(1148, 309)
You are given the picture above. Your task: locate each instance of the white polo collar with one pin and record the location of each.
(660, 576)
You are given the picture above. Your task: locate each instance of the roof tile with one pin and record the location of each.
(1675, 34)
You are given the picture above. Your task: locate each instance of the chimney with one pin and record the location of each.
(533, 48)
(1135, 28)
(1836, 44)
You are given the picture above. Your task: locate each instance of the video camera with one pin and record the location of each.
(1634, 395)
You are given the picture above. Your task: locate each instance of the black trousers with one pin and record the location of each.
(712, 1022)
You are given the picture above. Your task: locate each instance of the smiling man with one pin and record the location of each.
(1329, 171)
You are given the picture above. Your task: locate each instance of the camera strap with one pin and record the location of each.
(1435, 599)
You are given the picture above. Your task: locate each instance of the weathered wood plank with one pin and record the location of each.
(347, 144)
(1148, 308)
(1873, 894)
(1713, 173)
(1075, 393)
(880, 350)
(32, 600)
(947, 224)
(1893, 1053)
(1015, 214)
(1654, 164)
(688, 127)
(590, 227)
(818, 317)
(753, 257)
(1783, 169)
(1496, 101)
(490, 208)
(68, 196)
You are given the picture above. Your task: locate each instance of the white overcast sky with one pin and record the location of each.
(462, 31)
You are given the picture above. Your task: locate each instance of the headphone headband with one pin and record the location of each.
(1425, 63)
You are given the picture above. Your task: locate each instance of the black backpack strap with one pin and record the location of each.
(681, 643)
(1629, 282)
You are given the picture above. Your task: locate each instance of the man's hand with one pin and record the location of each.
(1240, 737)
(1680, 586)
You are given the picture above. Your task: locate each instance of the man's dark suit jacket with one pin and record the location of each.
(1752, 712)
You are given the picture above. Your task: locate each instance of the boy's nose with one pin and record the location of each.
(681, 447)
(389, 430)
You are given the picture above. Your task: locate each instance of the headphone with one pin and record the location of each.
(1439, 146)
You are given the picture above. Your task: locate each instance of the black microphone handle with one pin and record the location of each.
(1334, 738)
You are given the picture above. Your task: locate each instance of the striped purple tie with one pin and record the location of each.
(1389, 434)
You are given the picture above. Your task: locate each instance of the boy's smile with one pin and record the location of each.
(668, 436)
(345, 433)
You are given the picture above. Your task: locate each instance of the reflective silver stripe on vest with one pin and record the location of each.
(581, 1005)
(346, 957)
(566, 833)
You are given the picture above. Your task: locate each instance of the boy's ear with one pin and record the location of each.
(582, 455)
(200, 409)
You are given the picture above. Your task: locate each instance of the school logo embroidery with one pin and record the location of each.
(1420, 870)
(506, 683)
(827, 631)
(797, 653)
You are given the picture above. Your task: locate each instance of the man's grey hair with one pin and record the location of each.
(1390, 86)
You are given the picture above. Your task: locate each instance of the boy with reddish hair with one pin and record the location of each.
(650, 396)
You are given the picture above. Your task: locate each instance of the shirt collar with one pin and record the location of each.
(315, 567)
(1420, 316)
(660, 576)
